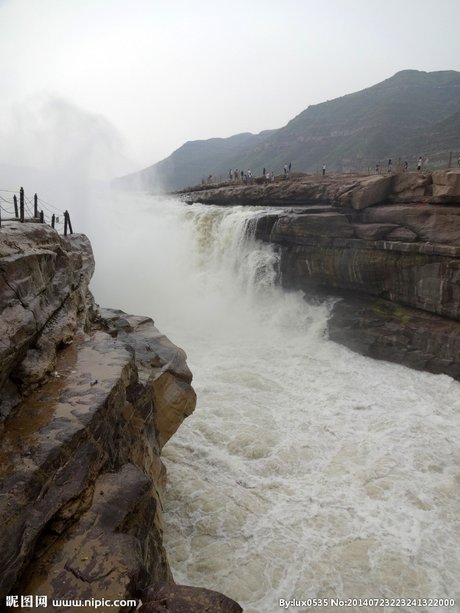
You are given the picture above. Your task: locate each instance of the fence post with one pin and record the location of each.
(16, 212)
(21, 204)
(35, 205)
(53, 220)
(42, 217)
(69, 222)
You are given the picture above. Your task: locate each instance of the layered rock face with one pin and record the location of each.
(88, 399)
(395, 238)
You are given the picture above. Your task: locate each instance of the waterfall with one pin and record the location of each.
(306, 471)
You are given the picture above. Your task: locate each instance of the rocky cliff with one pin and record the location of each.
(88, 397)
(389, 245)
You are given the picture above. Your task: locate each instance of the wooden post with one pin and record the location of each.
(53, 220)
(65, 223)
(21, 204)
(69, 222)
(42, 217)
(16, 212)
(35, 205)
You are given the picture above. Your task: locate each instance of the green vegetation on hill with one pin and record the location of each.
(409, 115)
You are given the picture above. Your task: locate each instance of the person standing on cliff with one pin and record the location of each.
(290, 166)
(324, 170)
(390, 165)
(419, 164)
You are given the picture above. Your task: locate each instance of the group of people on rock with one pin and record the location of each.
(237, 176)
(240, 176)
(404, 166)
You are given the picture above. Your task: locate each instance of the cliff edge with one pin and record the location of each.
(88, 398)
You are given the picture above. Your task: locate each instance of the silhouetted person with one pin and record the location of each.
(419, 164)
(324, 169)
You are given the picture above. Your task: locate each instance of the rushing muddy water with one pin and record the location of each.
(306, 471)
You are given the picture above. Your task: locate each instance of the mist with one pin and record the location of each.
(52, 147)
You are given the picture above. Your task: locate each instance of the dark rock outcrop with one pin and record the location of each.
(89, 397)
(387, 331)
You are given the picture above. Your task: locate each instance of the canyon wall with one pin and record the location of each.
(387, 245)
(89, 397)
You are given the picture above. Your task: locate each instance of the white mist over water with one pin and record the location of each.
(306, 471)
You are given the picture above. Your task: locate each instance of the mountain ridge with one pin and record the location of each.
(411, 114)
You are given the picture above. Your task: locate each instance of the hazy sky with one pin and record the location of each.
(145, 76)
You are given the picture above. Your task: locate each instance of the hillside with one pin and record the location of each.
(410, 114)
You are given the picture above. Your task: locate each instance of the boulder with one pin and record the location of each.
(162, 367)
(446, 185)
(371, 191)
(411, 187)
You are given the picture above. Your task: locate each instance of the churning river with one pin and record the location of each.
(307, 471)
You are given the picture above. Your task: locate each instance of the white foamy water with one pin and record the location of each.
(306, 471)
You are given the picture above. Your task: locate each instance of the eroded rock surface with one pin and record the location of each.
(387, 331)
(44, 302)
